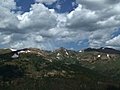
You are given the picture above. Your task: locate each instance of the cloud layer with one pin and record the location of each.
(94, 21)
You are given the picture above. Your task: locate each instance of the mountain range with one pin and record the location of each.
(62, 69)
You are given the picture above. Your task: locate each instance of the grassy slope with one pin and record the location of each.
(31, 72)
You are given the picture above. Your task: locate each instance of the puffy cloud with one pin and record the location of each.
(99, 18)
(5, 39)
(82, 19)
(114, 42)
(38, 18)
(24, 30)
(98, 38)
(6, 16)
(98, 4)
(90, 20)
(29, 40)
(93, 20)
(8, 4)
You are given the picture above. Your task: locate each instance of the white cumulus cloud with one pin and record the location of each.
(92, 20)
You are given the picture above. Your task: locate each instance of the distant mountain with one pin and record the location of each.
(35, 69)
(103, 50)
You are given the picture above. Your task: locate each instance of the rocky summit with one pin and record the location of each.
(62, 69)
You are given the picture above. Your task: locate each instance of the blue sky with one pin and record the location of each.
(50, 24)
(66, 5)
(24, 4)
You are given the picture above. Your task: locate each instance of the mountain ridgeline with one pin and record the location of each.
(62, 69)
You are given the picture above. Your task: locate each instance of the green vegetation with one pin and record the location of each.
(32, 71)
